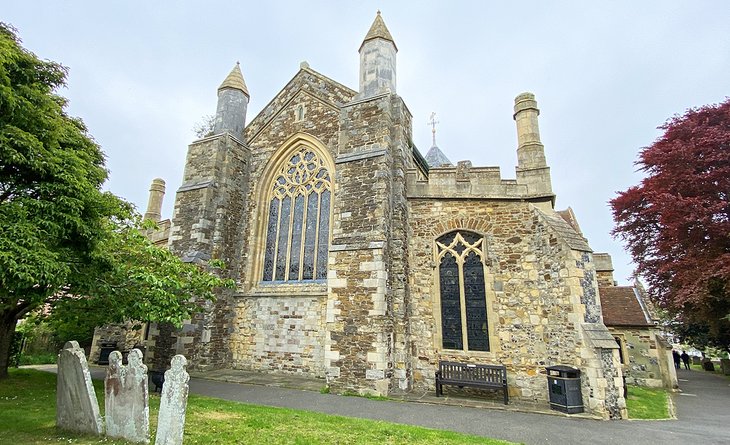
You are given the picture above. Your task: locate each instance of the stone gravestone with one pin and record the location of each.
(725, 366)
(173, 401)
(127, 398)
(76, 406)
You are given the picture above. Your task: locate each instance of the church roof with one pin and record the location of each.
(235, 80)
(436, 158)
(378, 30)
(621, 306)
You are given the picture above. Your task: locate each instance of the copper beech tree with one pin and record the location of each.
(676, 223)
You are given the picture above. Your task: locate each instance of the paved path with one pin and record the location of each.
(702, 410)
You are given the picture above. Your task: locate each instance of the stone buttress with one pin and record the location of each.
(207, 217)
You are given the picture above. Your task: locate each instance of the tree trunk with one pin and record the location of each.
(7, 329)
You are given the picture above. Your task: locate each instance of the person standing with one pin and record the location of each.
(676, 357)
(685, 359)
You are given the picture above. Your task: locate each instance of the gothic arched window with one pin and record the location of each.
(464, 325)
(297, 233)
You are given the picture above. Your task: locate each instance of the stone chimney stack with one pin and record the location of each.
(154, 204)
(230, 115)
(532, 169)
(377, 60)
(530, 151)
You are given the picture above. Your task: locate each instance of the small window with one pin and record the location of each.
(621, 351)
(299, 113)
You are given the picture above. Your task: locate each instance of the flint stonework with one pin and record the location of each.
(173, 402)
(76, 406)
(127, 398)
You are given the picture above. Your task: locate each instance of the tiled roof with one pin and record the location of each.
(621, 307)
(436, 158)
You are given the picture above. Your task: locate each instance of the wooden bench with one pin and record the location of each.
(477, 376)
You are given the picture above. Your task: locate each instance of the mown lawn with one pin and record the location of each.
(28, 416)
(647, 403)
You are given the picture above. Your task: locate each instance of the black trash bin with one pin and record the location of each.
(104, 351)
(564, 389)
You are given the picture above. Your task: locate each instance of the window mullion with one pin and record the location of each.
(289, 237)
(462, 300)
(276, 241)
(303, 236)
(316, 236)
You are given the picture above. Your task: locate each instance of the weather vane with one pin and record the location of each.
(432, 122)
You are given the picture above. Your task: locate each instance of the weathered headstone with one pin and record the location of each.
(173, 402)
(725, 366)
(127, 398)
(76, 406)
(707, 365)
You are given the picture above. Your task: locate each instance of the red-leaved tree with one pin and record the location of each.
(676, 223)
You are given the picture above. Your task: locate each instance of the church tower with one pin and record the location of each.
(377, 60)
(206, 221)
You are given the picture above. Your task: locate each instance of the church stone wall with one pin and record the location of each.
(280, 333)
(645, 357)
(281, 326)
(534, 288)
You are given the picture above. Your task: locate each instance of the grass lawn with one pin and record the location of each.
(647, 403)
(28, 416)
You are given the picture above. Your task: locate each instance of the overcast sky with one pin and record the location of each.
(605, 75)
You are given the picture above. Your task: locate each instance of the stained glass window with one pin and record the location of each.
(462, 291)
(297, 233)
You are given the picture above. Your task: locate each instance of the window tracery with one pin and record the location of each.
(462, 291)
(297, 233)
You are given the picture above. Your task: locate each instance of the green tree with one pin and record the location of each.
(63, 241)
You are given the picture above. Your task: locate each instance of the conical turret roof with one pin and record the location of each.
(235, 80)
(378, 30)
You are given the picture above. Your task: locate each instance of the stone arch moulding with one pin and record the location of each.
(478, 225)
(263, 195)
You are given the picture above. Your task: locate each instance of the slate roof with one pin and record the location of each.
(436, 158)
(622, 306)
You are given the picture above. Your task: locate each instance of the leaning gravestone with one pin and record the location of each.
(76, 406)
(127, 398)
(173, 401)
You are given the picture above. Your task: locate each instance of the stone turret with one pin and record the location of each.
(377, 60)
(230, 115)
(532, 169)
(154, 204)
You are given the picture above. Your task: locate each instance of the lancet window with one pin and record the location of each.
(297, 233)
(464, 321)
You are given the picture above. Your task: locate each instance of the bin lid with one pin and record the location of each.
(563, 370)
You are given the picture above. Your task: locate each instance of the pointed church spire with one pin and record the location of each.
(435, 157)
(378, 30)
(377, 61)
(230, 115)
(235, 80)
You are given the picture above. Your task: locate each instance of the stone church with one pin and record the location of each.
(361, 262)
